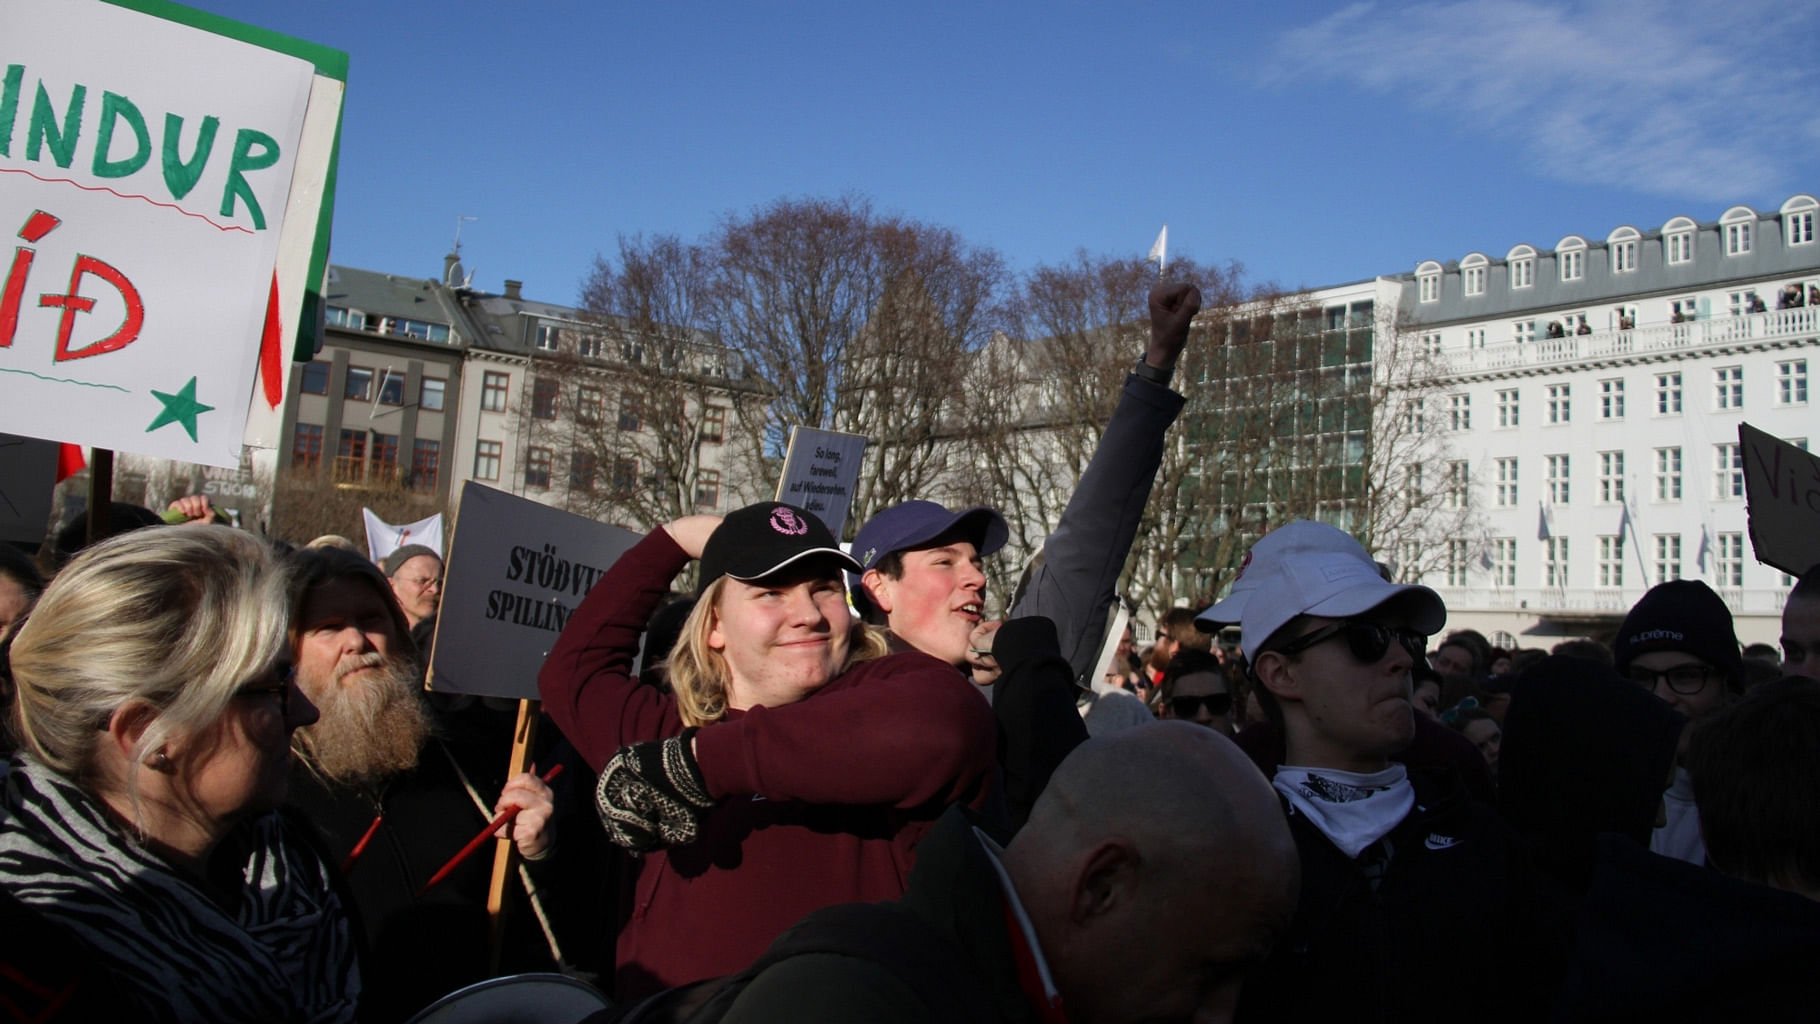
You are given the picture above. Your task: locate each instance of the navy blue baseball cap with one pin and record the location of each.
(916, 523)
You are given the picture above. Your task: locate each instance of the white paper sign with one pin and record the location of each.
(145, 170)
(1782, 493)
(515, 572)
(820, 471)
(383, 538)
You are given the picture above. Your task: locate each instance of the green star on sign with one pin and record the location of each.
(181, 407)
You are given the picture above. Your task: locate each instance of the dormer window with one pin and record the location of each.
(1678, 240)
(1570, 257)
(1798, 220)
(1623, 247)
(1736, 226)
(1472, 274)
(1522, 262)
(1428, 282)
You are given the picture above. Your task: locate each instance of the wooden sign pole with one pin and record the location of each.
(505, 853)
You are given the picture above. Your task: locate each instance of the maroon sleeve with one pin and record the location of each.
(586, 681)
(902, 730)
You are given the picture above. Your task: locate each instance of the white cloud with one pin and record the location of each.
(1699, 99)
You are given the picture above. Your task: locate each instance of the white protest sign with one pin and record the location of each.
(383, 538)
(820, 471)
(1782, 495)
(145, 168)
(28, 474)
(515, 572)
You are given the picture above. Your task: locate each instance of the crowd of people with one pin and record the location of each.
(827, 785)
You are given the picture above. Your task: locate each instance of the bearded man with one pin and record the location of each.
(391, 801)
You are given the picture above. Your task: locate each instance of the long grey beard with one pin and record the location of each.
(370, 731)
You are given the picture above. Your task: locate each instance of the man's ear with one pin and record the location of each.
(1107, 878)
(878, 589)
(1273, 672)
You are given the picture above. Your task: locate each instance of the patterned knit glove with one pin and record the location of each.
(652, 794)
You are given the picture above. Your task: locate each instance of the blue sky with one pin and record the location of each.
(1315, 143)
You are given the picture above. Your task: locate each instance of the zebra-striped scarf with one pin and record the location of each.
(284, 954)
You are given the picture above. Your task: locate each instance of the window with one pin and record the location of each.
(1573, 264)
(315, 378)
(1558, 491)
(351, 457)
(1431, 343)
(1728, 387)
(1412, 483)
(1507, 483)
(538, 462)
(426, 459)
(1679, 241)
(1611, 561)
(590, 404)
(549, 337)
(1611, 398)
(1668, 474)
(707, 488)
(1737, 239)
(1523, 331)
(1458, 482)
(352, 319)
(1456, 563)
(385, 457)
(430, 395)
(1472, 274)
(1504, 561)
(486, 460)
(306, 446)
(1668, 394)
(1729, 564)
(591, 346)
(1668, 557)
(625, 475)
(1554, 561)
(1459, 410)
(1560, 403)
(1415, 415)
(581, 470)
(493, 392)
(1428, 282)
(360, 384)
(1475, 337)
(1791, 382)
(1576, 323)
(1624, 256)
(1623, 318)
(631, 413)
(391, 387)
(1611, 477)
(1684, 310)
(543, 399)
(1507, 407)
(1523, 272)
(1728, 471)
(1799, 227)
(713, 423)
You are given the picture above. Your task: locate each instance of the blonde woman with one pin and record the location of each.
(154, 714)
(796, 763)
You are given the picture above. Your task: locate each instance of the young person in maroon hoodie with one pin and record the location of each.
(795, 765)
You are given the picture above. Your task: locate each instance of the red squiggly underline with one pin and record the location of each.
(123, 195)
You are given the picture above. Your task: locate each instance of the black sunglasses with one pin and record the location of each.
(1368, 641)
(1685, 680)
(1187, 707)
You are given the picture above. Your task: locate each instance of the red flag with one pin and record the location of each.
(69, 461)
(271, 356)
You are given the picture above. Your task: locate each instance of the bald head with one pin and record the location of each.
(1164, 838)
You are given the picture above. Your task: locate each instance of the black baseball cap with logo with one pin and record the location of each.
(759, 540)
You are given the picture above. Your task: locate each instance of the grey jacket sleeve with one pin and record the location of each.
(1082, 557)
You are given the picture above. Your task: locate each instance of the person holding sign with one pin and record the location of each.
(138, 842)
(795, 765)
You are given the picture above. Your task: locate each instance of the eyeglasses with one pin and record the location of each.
(275, 683)
(1686, 680)
(1187, 707)
(1368, 641)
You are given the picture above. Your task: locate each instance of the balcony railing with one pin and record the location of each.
(1602, 345)
(1610, 600)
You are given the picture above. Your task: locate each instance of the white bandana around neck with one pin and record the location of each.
(1352, 810)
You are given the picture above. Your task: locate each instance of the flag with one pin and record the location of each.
(1158, 249)
(70, 461)
(1624, 518)
(1706, 547)
(383, 538)
(1544, 529)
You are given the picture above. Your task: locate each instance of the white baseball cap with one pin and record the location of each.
(1311, 568)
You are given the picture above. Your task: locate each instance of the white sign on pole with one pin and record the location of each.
(821, 470)
(383, 538)
(1782, 495)
(145, 171)
(28, 473)
(515, 571)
